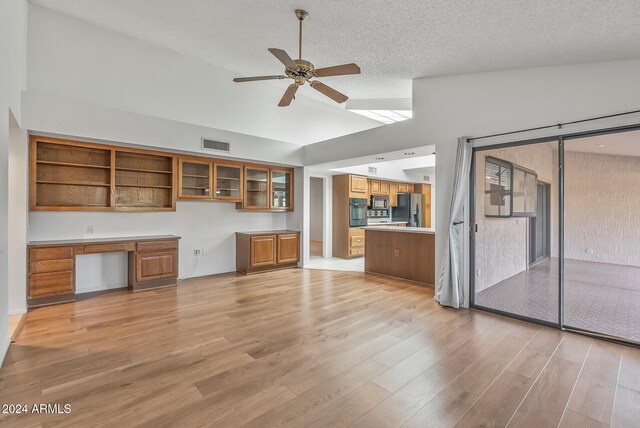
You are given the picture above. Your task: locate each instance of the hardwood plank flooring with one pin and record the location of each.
(308, 348)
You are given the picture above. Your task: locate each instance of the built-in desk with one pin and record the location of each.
(153, 263)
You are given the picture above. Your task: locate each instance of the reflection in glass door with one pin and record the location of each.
(516, 266)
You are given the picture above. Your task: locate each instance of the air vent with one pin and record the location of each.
(373, 170)
(216, 145)
(426, 178)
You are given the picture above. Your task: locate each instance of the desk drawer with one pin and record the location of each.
(152, 246)
(356, 251)
(104, 248)
(42, 266)
(50, 253)
(51, 284)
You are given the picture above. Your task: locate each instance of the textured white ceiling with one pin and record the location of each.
(392, 41)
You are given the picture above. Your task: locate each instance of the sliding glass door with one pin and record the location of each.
(516, 265)
(556, 232)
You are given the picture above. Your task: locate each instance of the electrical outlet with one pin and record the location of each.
(89, 230)
(197, 252)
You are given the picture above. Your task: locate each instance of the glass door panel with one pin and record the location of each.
(507, 279)
(280, 189)
(229, 182)
(195, 180)
(256, 188)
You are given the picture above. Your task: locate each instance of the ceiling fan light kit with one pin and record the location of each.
(302, 71)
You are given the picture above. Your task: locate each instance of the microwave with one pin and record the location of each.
(379, 202)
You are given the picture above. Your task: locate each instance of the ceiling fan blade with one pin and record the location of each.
(288, 95)
(253, 79)
(338, 70)
(283, 57)
(329, 91)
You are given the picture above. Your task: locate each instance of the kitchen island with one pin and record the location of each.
(401, 252)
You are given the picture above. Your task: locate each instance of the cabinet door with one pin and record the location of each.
(152, 266)
(375, 187)
(288, 248)
(393, 194)
(263, 251)
(384, 188)
(358, 184)
(256, 188)
(281, 190)
(409, 188)
(402, 187)
(228, 181)
(195, 179)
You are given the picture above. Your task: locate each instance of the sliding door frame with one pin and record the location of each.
(560, 140)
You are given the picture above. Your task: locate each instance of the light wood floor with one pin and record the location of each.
(309, 348)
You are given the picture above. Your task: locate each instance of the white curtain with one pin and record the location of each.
(449, 289)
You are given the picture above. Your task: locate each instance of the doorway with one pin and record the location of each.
(540, 226)
(316, 216)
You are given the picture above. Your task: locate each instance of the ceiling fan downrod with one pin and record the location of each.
(301, 14)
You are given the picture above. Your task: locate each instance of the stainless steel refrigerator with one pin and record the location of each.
(408, 209)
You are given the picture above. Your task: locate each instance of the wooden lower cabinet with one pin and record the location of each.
(153, 263)
(262, 251)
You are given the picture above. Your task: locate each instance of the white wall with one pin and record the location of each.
(316, 209)
(601, 208)
(73, 59)
(12, 81)
(18, 215)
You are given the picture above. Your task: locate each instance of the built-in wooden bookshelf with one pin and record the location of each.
(76, 176)
(68, 175)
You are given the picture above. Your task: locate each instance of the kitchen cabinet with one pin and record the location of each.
(375, 187)
(409, 188)
(384, 188)
(268, 250)
(402, 187)
(357, 186)
(393, 194)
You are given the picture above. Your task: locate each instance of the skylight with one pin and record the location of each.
(385, 116)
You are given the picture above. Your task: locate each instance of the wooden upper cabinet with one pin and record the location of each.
(194, 179)
(229, 181)
(281, 189)
(256, 188)
(393, 194)
(375, 187)
(402, 187)
(358, 185)
(409, 188)
(384, 188)
(144, 181)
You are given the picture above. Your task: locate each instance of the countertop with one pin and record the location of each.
(268, 232)
(387, 222)
(103, 239)
(424, 230)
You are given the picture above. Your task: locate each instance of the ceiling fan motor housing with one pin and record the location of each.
(305, 70)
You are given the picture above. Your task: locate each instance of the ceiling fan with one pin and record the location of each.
(302, 71)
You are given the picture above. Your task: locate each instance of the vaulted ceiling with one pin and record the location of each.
(393, 42)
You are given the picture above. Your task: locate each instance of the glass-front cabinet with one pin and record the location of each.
(281, 185)
(228, 182)
(195, 179)
(256, 188)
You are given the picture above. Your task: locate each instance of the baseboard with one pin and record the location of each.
(101, 288)
(3, 350)
(18, 311)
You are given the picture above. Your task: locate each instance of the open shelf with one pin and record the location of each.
(73, 165)
(146, 171)
(143, 186)
(73, 183)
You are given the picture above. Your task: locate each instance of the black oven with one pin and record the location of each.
(357, 212)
